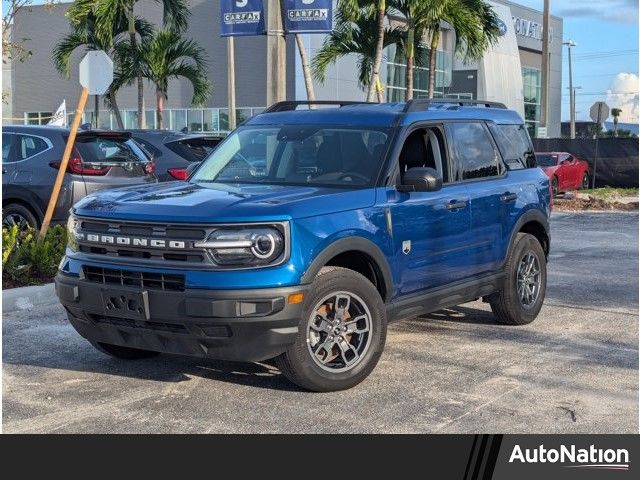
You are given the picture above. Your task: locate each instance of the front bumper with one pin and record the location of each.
(240, 325)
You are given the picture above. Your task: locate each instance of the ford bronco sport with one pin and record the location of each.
(308, 230)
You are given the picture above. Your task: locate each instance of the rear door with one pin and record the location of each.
(8, 158)
(493, 193)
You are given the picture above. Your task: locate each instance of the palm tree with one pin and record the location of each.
(164, 56)
(476, 26)
(306, 70)
(83, 36)
(354, 33)
(615, 112)
(374, 85)
(110, 12)
(418, 16)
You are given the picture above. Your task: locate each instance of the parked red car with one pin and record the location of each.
(565, 171)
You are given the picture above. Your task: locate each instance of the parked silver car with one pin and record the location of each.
(31, 157)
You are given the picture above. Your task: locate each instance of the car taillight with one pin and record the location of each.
(178, 173)
(77, 167)
(150, 167)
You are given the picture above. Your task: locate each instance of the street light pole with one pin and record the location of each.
(572, 92)
(544, 107)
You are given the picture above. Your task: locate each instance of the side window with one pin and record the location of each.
(6, 147)
(474, 150)
(425, 147)
(28, 146)
(515, 145)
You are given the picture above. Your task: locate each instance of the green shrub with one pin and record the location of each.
(25, 260)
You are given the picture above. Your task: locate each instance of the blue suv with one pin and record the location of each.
(307, 230)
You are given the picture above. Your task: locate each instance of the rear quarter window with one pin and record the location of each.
(515, 145)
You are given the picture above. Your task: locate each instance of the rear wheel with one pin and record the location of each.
(586, 182)
(525, 283)
(341, 333)
(554, 186)
(16, 214)
(123, 353)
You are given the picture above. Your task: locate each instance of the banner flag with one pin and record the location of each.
(241, 17)
(308, 16)
(59, 118)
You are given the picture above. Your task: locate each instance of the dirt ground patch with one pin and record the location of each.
(578, 202)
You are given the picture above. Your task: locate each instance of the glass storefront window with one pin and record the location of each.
(195, 120)
(178, 119)
(532, 90)
(397, 80)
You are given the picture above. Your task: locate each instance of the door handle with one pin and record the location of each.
(4, 170)
(508, 197)
(455, 205)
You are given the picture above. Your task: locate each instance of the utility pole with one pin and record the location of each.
(572, 92)
(231, 82)
(276, 54)
(544, 104)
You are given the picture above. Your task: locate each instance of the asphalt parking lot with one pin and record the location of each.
(575, 369)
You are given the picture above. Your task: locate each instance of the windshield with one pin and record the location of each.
(297, 155)
(547, 160)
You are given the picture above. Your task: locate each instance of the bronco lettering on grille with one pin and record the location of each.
(134, 241)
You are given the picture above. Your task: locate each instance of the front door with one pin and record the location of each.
(429, 229)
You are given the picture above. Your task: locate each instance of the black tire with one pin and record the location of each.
(124, 353)
(298, 364)
(506, 304)
(554, 186)
(14, 213)
(586, 182)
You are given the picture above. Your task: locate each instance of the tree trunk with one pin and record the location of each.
(374, 84)
(159, 109)
(114, 107)
(410, 61)
(306, 71)
(134, 44)
(96, 110)
(615, 126)
(435, 38)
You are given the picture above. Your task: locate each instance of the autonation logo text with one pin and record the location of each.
(573, 457)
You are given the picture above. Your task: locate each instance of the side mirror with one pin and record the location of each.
(421, 179)
(192, 167)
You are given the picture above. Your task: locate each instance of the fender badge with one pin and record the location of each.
(406, 246)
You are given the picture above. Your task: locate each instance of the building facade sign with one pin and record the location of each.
(530, 29)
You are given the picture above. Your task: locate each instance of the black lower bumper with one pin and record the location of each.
(242, 325)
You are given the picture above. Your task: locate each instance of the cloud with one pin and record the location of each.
(623, 94)
(619, 11)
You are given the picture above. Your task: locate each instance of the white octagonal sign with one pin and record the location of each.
(96, 72)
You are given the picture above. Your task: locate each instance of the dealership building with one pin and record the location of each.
(510, 72)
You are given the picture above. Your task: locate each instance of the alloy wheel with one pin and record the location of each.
(12, 219)
(339, 331)
(529, 280)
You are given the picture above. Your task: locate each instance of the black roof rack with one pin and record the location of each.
(289, 105)
(425, 103)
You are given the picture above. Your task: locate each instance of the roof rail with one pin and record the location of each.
(424, 104)
(289, 105)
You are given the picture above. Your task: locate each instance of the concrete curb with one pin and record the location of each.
(27, 298)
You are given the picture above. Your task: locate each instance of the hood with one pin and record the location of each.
(213, 203)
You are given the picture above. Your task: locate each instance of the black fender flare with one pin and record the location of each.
(533, 215)
(347, 244)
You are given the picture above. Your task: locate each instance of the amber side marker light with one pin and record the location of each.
(296, 298)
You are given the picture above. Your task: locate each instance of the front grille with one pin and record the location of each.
(110, 231)
(127, 278)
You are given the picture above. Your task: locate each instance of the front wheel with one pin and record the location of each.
(586, 182)
(341, 336)
(554, 186)
(525, 283)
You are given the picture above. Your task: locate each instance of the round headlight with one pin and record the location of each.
(264, 245)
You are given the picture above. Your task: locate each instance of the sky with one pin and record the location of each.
(605, 58)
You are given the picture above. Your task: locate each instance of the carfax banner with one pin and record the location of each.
(308, 16)
(241, 17)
